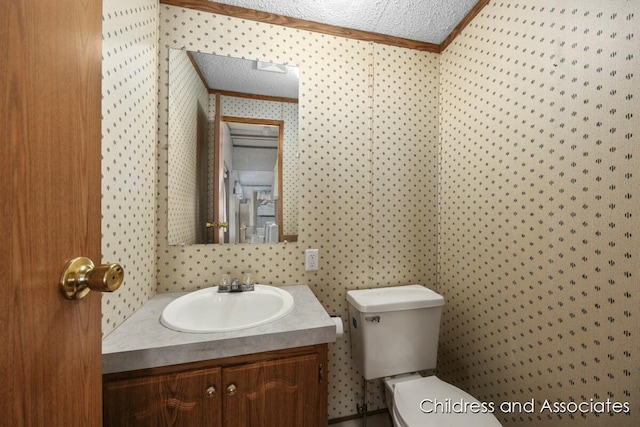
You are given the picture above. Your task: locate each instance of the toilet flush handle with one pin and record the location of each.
(375, 319)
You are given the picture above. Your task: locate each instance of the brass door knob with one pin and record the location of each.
(232, 389)
(81, 276)
(210, 392)
(217, 224)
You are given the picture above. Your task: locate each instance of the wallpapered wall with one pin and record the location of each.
(129, 135)
(188, 93)
(530, 221)
(537, 207)
(342, 137)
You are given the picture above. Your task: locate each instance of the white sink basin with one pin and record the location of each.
(207, 310)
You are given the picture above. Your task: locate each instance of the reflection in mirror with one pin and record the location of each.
(253, 212)
(233, 143)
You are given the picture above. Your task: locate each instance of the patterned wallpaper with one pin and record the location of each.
(342, 139)
(499, 173)
(187, 93)
(129, 122)
(537, 212)
(404, 167)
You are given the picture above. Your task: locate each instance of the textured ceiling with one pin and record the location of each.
(242, 75)
(429, 21)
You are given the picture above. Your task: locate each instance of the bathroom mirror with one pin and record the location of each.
(232, 152)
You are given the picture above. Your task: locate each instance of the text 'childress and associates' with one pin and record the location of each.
(462, 406)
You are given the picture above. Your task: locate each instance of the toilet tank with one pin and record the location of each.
(394, 330)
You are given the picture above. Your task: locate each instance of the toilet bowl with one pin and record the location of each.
(415, 401)
(383, 320)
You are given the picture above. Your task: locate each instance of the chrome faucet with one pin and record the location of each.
(235, 286)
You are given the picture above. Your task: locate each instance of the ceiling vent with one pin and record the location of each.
(270, 66)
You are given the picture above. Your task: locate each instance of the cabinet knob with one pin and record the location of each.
(232, 389)
(210, 392)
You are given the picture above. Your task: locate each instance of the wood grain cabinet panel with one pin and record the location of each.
(280, 393)
(189, 398)
(283, 388)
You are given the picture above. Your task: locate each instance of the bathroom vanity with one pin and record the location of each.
(273, 374)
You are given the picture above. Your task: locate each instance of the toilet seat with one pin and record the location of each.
(408, 395)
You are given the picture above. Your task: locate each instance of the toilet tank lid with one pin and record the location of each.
(394, 298)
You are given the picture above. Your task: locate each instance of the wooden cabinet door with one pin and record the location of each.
(274, 393)
(175, 399)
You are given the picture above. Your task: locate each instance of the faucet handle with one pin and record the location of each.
(225, 281)
(246, 287)
(247, 281)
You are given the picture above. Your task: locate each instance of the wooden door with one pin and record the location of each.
(203, 198)
(189, 399)
(218, 174)
(283, 393)
(50, 347)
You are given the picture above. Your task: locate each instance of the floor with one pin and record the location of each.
(381, 420)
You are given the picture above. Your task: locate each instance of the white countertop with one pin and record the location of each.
(142, 342)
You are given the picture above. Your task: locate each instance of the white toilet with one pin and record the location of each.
(394, 333)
